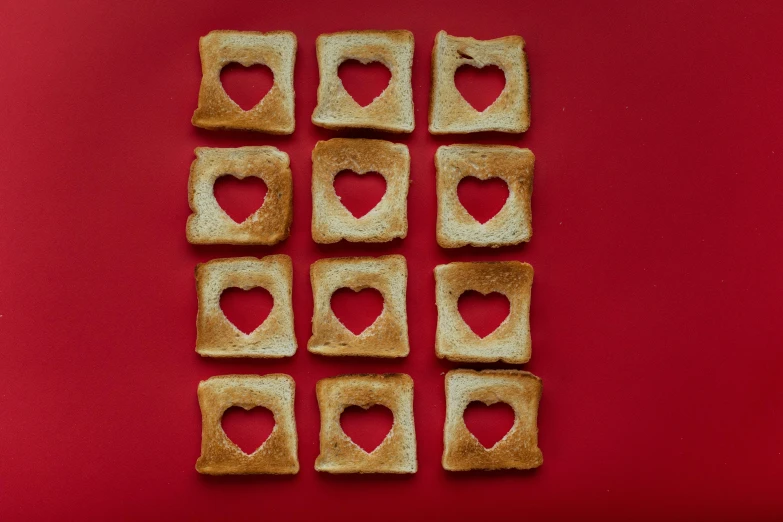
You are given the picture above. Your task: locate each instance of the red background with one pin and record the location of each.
(657, 302)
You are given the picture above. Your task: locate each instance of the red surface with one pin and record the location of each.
(658, 295)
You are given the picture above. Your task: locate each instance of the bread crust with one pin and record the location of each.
(274, 113)
(518, 449)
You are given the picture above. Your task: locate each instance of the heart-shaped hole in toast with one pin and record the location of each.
(483, 199)
(240, 198)
(490, 423)
(357, 311)
(359, 193)
(480, 86)
(247, 86)
(367, 428)
(483, 313)
(248, 429)
(246, 309)
(364, 82)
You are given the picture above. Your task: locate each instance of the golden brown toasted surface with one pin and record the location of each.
(388, 220)
(392, 110)
(511, 341)
(274, 114)
(216, 336)
(219, 455)
(388, 335)
(450, 113)
(518, 449)
(339, 454)
(209, 223)
(513, 223)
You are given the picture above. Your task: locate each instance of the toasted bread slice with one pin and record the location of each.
(219, 455)
(450, 113)
(389, 219)
(513, 224)
(339, 454)
(518, 449)
(392, 110)
(510, 342)
(209, 224)
(216, 336)
(388, 335)
(274, 114)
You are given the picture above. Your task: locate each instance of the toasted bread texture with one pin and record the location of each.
(450, 113)
(513, 224)
(510, 342)
(392, 110)
(389, 219)
(209, 223)
(216, 336)
(274, 114)
(518, 449)
(219, 455)
(388, 335)
(339, 454)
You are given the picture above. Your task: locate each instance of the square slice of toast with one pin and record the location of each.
(392, 110)
(513, 223)
(518, 449)
(216, 336)
(388, 335)
(274, 114)
(209, 224)
(339, 454)
(219, 455)
(450, 113)
(455, 340)
(388, 220)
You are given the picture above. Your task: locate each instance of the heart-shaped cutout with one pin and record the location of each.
(483, 313)
(367, 428)
(483, 199)
(248, 429)
(364, 82)
(489, 424)
(246, 309)
(359, 193)
(247, 86)
(357, 310)
(240, 198)
(480, 87)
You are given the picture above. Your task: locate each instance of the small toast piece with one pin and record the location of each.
(513, 224)
(450, 113)
(219, 455)
(274, 114)
(388, 335)
(389, 219)
(392, 110)
(209, 224)
(455, 340)
(339, 454)
(518, 449)
(216, 336)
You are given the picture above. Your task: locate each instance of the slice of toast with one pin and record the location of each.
(209, 224)
(518, 449)
(388, 220)
(510, 342)
(216, 336)
(388, 335)
(513, 224)
(219, 455)
(392, 110)
(339, 454)
(274, 114)
(450, 113)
